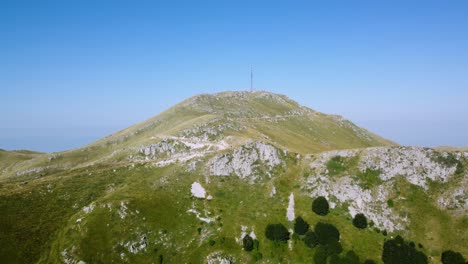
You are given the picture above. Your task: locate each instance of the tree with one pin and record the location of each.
(311, 239)
(451, 257)
(333, 248)
(248, 243)
(277, 233)
(326, 233)
(397, 251)
(301, 226)
(360, 221)
(351, 257)
(320, 206)
(320, 256)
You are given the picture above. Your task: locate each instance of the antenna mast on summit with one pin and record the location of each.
(251, 78)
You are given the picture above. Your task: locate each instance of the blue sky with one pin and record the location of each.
(74, 71)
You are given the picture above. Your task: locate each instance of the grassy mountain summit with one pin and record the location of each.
(236, 116)
(207, 179)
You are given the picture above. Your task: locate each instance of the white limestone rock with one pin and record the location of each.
(244, 160)
(198, 191)
(290, 215)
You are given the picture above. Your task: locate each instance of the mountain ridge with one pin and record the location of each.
(190, 183)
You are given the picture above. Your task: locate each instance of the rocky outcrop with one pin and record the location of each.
(246, 160)
(418, 166)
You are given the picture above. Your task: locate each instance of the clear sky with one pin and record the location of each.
(74, 71)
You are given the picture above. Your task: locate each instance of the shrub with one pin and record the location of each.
(333, 248)
(451, 257)
(211, 242)
(277, 233)
(390, 203)
(320, 206)
(311, 239)
(351, 258)
(320, 256)
(397, 251)
(301, 226)
(248, 243)
(360, 221)
(326, 233)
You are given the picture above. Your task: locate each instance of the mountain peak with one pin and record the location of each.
(241, 103)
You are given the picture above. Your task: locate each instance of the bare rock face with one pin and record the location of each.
(418, 166)
(372, 203)
(168, 147)
(246, 160)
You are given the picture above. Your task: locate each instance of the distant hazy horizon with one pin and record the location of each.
(74, 72)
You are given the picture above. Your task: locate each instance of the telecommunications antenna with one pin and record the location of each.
(251, 78)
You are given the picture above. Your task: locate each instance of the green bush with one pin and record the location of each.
(248, 243)
(390, 203)
(277, 233)
(326, 233)
(320, 256)
(351, 257)
(333, 248)
(360, 221)
(300, 226)
(311, 239)
(320, 206)
(397, 251)
(451, 257)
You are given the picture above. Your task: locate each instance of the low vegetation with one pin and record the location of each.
(360, 221)
(320, 206)
(277, 233)
(300, 226)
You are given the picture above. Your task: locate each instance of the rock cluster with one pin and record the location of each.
(246, 160)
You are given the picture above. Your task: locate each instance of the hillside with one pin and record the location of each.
(188, 185)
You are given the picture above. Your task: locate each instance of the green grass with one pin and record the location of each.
(369, 179)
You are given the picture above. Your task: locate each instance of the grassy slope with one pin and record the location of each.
(52, 205)
(310, 132)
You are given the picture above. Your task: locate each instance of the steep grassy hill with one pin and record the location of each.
(238, 116)
(188, 185)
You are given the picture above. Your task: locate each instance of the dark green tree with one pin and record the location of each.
(351, 257)
(360, 221)
(320, 256)
(248, 243)
(277, 233)
(452, 257)
(397, 251)
(300, 226)
(326, 233)
(311, 239)
(320, 206)
(333, 248)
